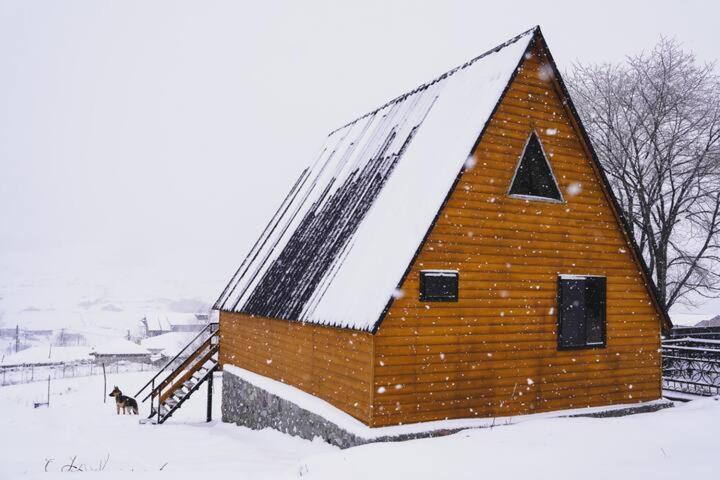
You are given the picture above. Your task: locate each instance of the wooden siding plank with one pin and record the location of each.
(333, 364)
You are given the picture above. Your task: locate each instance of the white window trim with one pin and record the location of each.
(535, 198)
(570, 276)
(552, 174)
(441, 273)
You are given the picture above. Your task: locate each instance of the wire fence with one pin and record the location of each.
(12, 375)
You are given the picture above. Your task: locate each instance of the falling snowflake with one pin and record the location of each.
(530, 381)
(381, 390)
(574, 189)
(545, 72)
(551, 131)
(398, 293)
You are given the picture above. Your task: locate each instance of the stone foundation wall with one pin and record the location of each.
(245, 404)
(250, 406)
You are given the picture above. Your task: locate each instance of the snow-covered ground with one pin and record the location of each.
(673, 443)
(670, 444)
(78, 424)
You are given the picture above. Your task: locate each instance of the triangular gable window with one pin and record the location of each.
(533, 177)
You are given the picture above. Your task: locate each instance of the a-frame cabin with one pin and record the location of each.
(456, 253)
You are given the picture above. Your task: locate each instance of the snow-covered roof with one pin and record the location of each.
(120, 346)
(184, 319)
(157, 322)
(339, 244)
(169, 344)
(42, 354)
(164, 321)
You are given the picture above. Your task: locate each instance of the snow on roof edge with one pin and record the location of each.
(440, 77)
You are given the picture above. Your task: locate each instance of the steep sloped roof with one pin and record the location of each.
(339, 244)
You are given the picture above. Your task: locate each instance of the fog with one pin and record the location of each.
(146, 143)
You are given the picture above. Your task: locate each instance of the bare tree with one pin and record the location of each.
(654, 122)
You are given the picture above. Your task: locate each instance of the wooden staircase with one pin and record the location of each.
(182, 379)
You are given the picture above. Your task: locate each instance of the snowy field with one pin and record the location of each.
(674, 443)
(78, 424)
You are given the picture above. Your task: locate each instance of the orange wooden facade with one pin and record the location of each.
(494, 352)
(330, 363)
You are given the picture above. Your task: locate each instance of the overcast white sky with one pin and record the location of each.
(158, 136)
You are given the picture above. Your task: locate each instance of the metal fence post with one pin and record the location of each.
(210, 396)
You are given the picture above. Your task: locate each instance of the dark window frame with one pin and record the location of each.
(563, 344)
(539, 198)
(425, 297)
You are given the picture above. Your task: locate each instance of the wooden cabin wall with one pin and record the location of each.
(494, 352)
(330, 363)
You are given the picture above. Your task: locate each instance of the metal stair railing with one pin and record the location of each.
(170, 409)
(197, 358)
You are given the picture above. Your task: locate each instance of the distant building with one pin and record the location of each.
(47, 355)
(168, 345)
(120, 350)
(160, 323)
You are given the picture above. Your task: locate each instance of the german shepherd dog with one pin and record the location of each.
(124, 402)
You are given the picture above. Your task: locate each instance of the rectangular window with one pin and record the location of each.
(581, 311)
(438, 286)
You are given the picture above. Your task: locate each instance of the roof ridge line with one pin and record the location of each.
(443, 76)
